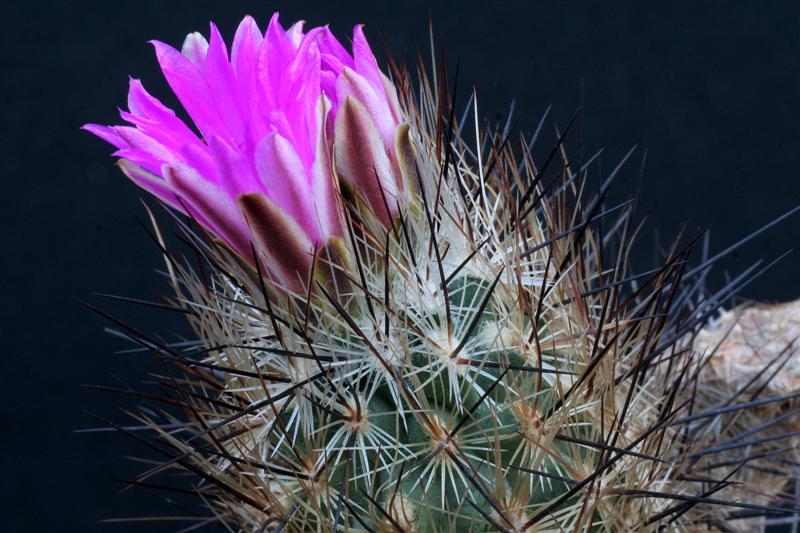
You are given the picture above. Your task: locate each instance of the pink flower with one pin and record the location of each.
(261, 164)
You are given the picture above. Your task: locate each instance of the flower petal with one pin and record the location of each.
(235, 172)
(245, 47)
(143, 149)
(334, 59)
(189, 85)
(275, 56)
(106, 133)
(353, 84)
(198, 156)
(295, 33)
(324, 190)
(285, 178)
(207, 200)
(361, 159)
(334, 56)
(195, 48)
(287, 249)
(244, 58)
(150, 182)
(155, 119)
(226, 97)
(391, 98)
(364, 59)
(304, 91)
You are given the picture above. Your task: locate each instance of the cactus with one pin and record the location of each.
(478, 357)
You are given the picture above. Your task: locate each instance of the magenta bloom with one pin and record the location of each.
(259, 166)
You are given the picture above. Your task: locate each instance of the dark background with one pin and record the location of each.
(711, 90)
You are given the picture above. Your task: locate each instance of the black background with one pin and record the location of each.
(710, 89)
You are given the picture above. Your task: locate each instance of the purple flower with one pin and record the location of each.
(258, 167)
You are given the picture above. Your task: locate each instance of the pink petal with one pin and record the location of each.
(155, 119)
(212, 204)
(352, 84)
(287, 250)
(391, 96)
(275, 56)
(286, 181)
(364, 59)
(367, 66)
(132, 144)
(245, 46)
(140, 141)
(304, 91)
(236, 173)
(362, 161)
(327, 82)
(195, 48)
(106, 133)
(189, 85)
(334, 56)
(245, 60)
(295, 33)
(226, 97)
(162, 190)
(323, 185)
(111, 134)
(199, 157)
(155, 185)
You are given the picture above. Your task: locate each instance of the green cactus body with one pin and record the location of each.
(476, 367)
